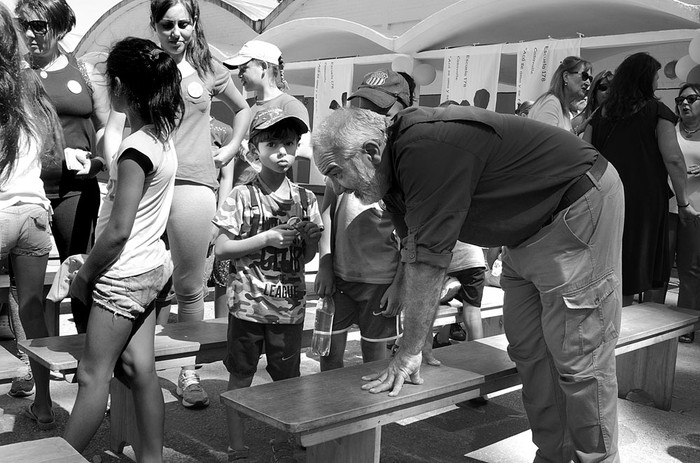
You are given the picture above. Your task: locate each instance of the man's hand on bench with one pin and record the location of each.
(403, 368)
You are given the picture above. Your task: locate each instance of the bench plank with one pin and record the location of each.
(10, 366)
(331, 408)
(203, 341)
(49, 450)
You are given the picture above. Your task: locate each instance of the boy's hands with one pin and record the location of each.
(391, 301)
(309, 231)
(281, 236)
(324, 284)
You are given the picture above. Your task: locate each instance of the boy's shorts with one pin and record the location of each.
(24, 231)
(129, 297)
(245, 345)
(358, 304)
(472, 281)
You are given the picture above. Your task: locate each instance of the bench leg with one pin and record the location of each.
(122, 429)
(361, 447)
(651, 369)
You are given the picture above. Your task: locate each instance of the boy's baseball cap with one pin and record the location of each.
(271, 116)
(383, 88)
(254, 49)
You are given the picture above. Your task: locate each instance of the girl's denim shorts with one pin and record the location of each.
(130, 296)
(25, 230)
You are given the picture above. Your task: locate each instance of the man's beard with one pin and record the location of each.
(372, 189)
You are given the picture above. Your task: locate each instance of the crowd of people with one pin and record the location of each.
(585, 197)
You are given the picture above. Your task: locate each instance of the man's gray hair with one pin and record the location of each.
(344, 133)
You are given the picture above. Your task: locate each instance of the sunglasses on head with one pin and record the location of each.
(37, 26)
(692, 98)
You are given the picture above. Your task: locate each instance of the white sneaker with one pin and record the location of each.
(188, 387)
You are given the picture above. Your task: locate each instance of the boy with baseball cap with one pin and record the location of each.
(270, 230)
(359, 255)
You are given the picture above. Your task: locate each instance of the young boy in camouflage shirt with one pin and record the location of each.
(269, 229)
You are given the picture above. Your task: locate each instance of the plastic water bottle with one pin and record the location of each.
(321, 339)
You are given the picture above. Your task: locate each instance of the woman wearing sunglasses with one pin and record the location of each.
(597, 95)
(685, 237)
(82, 104)
(30, 136)
(568, 86)
(635, 132)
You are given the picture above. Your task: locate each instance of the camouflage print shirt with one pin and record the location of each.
(266, 286)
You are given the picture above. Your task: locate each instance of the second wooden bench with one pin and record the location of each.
(339, 422)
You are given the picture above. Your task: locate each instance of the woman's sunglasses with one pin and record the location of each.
(38, 27)
(692, 98)
(585, 75)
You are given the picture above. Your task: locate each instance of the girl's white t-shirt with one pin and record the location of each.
(24, 185)
(144, 250)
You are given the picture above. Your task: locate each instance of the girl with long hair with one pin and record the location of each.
(29, 135)
(128, 266)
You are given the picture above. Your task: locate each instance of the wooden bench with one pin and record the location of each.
(51, 449)
(52, 311)
(339, 422)
(10, 368)
(175, 345)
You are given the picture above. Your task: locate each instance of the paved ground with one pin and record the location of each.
(646, 434)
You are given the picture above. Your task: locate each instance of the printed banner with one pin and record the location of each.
(537, 61)
(332, 87)
(471, 74)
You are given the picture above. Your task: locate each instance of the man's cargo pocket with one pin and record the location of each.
(590, 315)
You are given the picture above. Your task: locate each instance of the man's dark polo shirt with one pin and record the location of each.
(474, 175)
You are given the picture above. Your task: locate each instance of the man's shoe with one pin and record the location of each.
(22, 386)
(192, 393)
(437, 344)
(457, 332)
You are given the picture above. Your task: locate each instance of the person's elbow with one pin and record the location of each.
(118, 235)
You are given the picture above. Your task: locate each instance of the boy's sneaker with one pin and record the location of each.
(282, 452)
(240, 455)
(22, 386)
(192, 393)
(457, 332)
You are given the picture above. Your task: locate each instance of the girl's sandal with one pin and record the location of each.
(240, 455)
(43, 425)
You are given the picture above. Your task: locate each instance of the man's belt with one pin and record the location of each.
(584, 183)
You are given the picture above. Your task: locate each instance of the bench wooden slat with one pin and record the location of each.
(49, 450)
(10, 366)
(651, 329)
(643, 321)
(5, 285)
(205, 340)
(316, 405)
